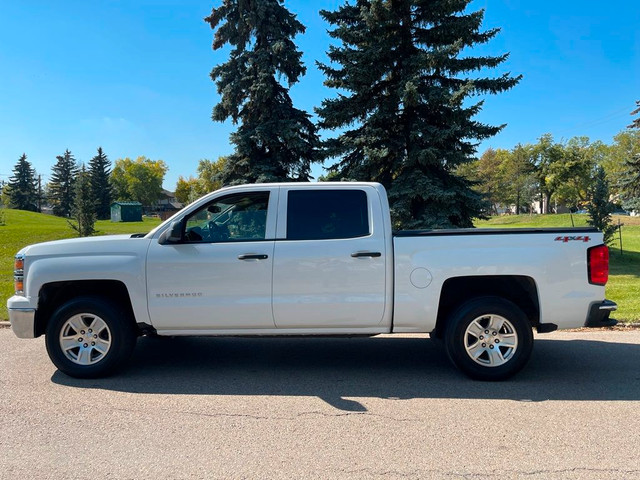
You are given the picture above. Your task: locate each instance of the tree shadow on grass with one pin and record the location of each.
(339, 369)
(626, 264)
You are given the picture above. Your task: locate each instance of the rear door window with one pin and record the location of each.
(327, 214)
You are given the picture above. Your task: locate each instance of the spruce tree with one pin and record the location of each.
(629, 184)
(636, 121)
(62, 184)
(630, 178)
(22, 187)
(83, 209)
(275, 141)
(99, 172)
(403, 108)
(600, 207)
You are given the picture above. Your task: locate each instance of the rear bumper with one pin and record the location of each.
(599, 314)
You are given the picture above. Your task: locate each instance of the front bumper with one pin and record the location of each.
(23, 321)
(22, 317)
(599, 314)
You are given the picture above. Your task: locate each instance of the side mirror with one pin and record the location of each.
(173, 234)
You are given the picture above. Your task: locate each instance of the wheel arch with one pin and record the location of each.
(53, 295)
(518, 289)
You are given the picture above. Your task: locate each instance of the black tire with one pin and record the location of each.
(86, 353)
(500, 353)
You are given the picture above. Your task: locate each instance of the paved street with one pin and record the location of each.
(387, 407)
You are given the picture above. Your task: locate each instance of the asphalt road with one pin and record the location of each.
(386, 407)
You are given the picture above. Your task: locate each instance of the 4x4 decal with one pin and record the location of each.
(579, 238)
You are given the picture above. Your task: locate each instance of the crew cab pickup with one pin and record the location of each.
(308, 259)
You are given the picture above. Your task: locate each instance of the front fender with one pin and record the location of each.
(127, 268)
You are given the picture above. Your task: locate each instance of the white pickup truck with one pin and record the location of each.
(308, 259)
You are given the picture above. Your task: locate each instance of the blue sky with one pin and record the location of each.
(133, 76)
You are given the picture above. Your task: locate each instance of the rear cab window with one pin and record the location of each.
(327, 214)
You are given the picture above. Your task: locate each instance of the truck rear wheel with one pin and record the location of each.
(88, 337)
(489, 338)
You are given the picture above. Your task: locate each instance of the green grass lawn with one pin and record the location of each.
(24, 228)
(624, 280)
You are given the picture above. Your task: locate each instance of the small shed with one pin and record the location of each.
(126, 212)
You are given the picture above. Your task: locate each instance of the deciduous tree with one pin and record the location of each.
(188, 189)
(138, 180)
(517, 180)
(210, 173)
(549, 156)
(575, 175)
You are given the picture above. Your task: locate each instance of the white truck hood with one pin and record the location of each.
(84, 246)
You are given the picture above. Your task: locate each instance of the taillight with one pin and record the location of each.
(18, 274)
(598, 264)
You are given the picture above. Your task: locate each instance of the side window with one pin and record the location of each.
(326, 214)
(234, 218)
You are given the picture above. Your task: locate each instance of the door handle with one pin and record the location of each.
(253, 256)
(366, 254)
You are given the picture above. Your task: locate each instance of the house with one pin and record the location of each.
(166, 205)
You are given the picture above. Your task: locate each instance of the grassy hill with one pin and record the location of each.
(23, 228)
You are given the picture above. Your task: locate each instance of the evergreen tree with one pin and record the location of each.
(22, 187)
(62, 184)
(600, 207)
(407, 124)
(275, 141)
(630, 178)
(636, 121)
(630, 184)
(99, 172)
(84, 205)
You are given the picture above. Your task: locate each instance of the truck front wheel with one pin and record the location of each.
(88, 337)
(489, 338)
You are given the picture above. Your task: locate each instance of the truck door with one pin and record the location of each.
(329, 259)
(219, 275)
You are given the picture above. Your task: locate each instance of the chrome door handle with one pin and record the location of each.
(366, 254)
(253, 256)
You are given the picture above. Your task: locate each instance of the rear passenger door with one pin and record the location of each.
(329, 259)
